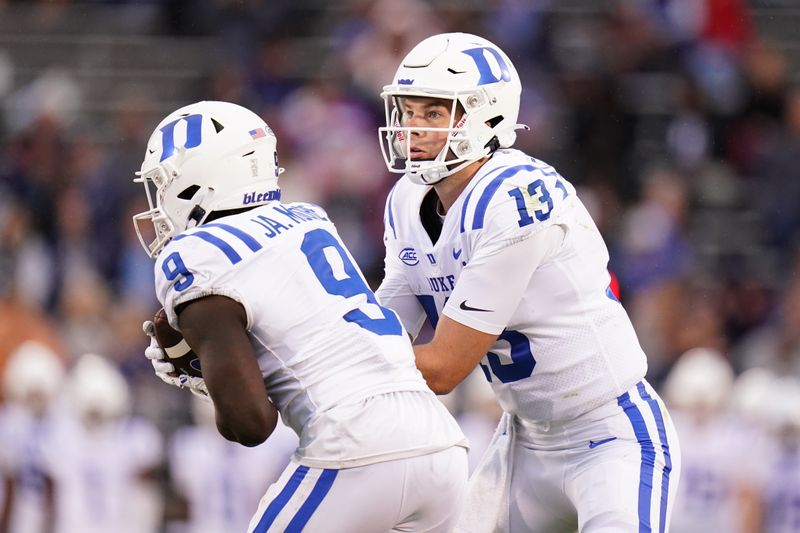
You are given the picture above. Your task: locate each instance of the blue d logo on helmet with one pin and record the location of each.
(487, 76)
(193, 134)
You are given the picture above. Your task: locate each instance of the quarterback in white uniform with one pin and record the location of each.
(495, 249)
(282, 321)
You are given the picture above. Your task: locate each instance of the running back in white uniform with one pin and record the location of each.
(520, 257)
(338, 367)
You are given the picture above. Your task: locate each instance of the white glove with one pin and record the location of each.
(166, 370)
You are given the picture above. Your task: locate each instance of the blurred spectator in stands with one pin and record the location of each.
(393, 28)
(777, 181)
(776, 344)
(275, 75)
(54, 95)
(332, 137)
(25, 282)
(652, 259)
(33, 171)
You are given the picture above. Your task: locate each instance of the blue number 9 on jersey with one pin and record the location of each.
(339, 277)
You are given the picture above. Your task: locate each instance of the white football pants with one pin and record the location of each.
(418, 494)
(617, 466)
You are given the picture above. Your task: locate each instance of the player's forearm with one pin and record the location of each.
(214, 327)
(247, 430)
(436, 374)
(452, 354)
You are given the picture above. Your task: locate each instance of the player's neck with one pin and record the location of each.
(449, 189)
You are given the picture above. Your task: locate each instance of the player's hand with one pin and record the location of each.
(166, 370)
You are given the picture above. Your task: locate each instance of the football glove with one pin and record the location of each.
(166, 370)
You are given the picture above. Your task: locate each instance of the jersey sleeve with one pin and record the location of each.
(395, 291)
(192, 266)
(492, 284)
(512, 223)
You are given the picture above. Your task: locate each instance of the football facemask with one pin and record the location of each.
(464, 69)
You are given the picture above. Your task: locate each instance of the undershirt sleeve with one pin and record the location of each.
(395, 293)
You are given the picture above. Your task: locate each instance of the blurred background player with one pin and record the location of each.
(780, 482)
(105, 461)
(29, 431)
(495, 249)
(719, 480)
(282, 321)
(222, 481)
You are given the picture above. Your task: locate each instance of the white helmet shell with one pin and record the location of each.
(32, 369)
(785, 414)
(465, 69)
(205, 157)
(702, 378)
(96, 387)
(752, 395)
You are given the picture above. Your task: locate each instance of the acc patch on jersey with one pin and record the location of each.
(409, 256)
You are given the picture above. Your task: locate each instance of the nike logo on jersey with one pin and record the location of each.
(457, 254)
(463, 305)
(596, 443)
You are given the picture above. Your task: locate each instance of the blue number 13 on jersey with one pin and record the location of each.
(339, 276)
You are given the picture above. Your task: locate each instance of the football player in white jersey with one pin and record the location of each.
(495, 249)
(221, 481)
(30, 423)
(718, 490)
(269, 298)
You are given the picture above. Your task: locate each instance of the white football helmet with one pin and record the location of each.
(205, 157)
(33, 375)
(466, 69)
(701, 379)
(96, 389)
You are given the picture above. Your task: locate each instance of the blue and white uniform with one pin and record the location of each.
(338, 367)
(24, 442)
(520, 257)
(223, 481)
(720, 473)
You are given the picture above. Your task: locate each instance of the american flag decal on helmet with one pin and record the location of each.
(257, 133)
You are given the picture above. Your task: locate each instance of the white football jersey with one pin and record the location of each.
(99, 476)
(24, 443)
(328, 353)
(780, 486)
(223, 481)
(717, 465)
(518, 256)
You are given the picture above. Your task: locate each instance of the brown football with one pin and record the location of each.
(178, 351)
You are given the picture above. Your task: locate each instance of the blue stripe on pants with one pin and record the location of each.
(662, 435)
(280, 501)
(648, 460)
(318, 493)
